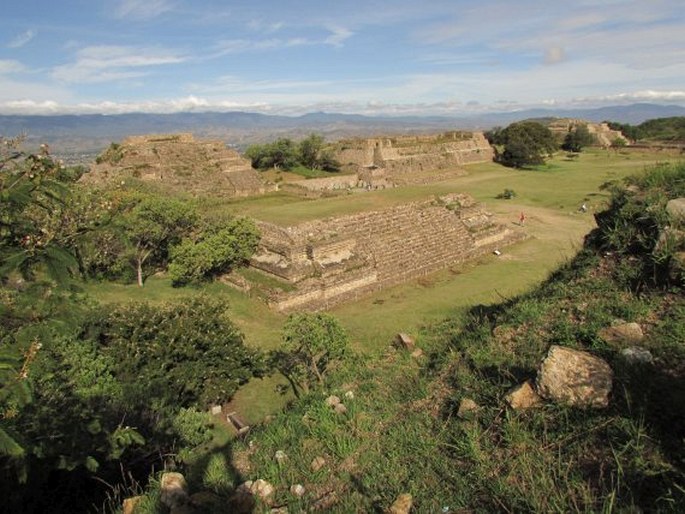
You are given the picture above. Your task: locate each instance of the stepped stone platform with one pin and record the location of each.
(604, 136)
(326, 262)
(380, 163)
(181, 162)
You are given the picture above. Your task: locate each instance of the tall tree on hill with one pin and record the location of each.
(577, 138)
(526, 143)
(151, 227)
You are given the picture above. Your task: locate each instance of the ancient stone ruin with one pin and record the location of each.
(329, 261)
(180, 162)
(603, 135)
(382, 162)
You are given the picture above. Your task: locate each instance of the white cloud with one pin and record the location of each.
(142, 9)
(338, 36)
(8, 66)
(108, 63)
(22, 39)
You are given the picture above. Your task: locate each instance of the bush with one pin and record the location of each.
(507, 194)
(216, 252)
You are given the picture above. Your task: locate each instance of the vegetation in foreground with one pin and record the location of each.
(400, 432)
(66, 360)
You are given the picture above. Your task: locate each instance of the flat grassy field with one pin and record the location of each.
(549, 196)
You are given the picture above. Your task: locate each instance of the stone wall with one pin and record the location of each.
(407, 154)
(338, 259)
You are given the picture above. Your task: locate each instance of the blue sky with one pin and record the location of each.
(355, 56)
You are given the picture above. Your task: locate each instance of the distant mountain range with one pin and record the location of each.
(93, 132)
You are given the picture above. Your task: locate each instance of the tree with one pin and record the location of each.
(151, 227)
(32, 200)
(183, 354)
(281, 154)
(577, 138)
(526, 143)
(311, 343)
(284, 154)
(217, 250)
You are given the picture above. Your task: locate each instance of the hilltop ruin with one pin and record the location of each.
(604, 135)
(180, 162)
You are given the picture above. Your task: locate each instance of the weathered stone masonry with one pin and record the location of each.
(339, 259)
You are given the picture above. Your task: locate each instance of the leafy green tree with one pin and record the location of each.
(31, 203)
(311, 343)
(285, 154)
(183, 354)
(577, 138)
(151, 227)
(526, 143)
(217, 250)
(281, 154)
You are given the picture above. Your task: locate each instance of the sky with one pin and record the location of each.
(374, 57)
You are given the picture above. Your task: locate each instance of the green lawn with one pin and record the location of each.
(550, 197)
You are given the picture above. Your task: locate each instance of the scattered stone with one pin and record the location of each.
(467, 407)
(130, 504)
(297, 490)
(317, 464)
(280, 456)
(215, 410)
(340, 409)
(417, 353)
(349, 395)
(676, 209)
(402, 505)
(523, 396)
(261, 488)
(332, 400)
(575, 378)
(173, 490)
(637, 355)
(622, 332)
(404, 341)
(279, 510)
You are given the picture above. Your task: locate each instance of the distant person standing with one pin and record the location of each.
(522, 219)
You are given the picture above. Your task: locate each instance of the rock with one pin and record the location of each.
(317, 464)
(173, 490)
(297, 490)
(637, 355)
(215, 410)
(242, 501)
(622, 332)
(332, 400)
(403, 340)
(340, 409)
(349, 395)
(261, 488)
(676, 209)
(130, 504)
(574, 377)
(466, 407)
(280, 456)
(523, 396)
(402, 505)
(417, 353)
